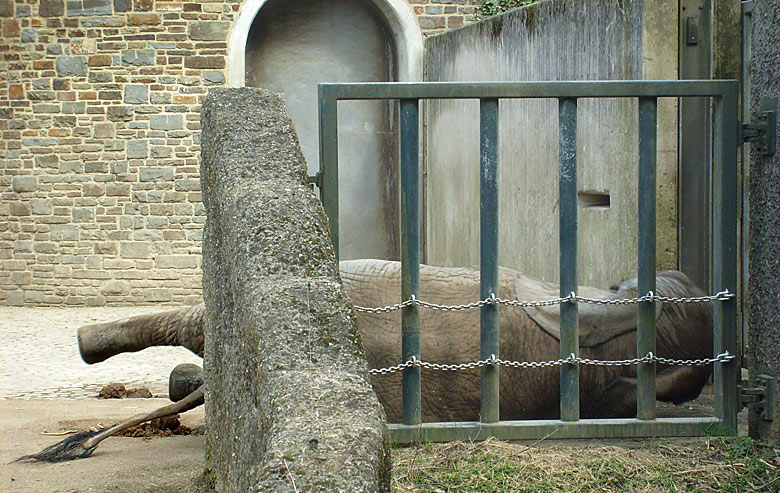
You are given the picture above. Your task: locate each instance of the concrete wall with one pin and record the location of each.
(285, 369)
(100, 118)
(552, 40)
(764, 283)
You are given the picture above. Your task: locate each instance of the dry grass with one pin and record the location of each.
(707, 464)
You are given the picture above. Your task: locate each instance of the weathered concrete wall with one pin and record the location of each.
(289, 403)
(764, 284)
(552, 40)
(100, 123)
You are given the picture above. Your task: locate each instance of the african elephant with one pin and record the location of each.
(608, 332)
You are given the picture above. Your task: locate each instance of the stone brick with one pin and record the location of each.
(166, 122)
(110, 95)
(22, 184)
(103, 130)
(143, 5)
(118, 189)
(21, 278)
(99, 61)
(204, 62)
(47, 161)
(29, 35)
(455, 21)
(429, 22)
(134, 249)
(46, 247)
(20, 208)
(83, 214)
(40, 95)
(123, 5)
(16, 91)
(40, 207)
(136, 93)
(51, 8)
(46, 108)
(15, 298)
(157, 295)
(177, 261)
(138, 57)
(209, 31)
(41, 84)
(115, 288)
(10, 28)
(143, 19)
(74, 108)
(155, 174)
(213, 77)
(188, 185)
(137, 149)
(89, 7)
(160, 152)
(93, 189)
(63, 232)
(115, 263)
(14, 265)
(6, 8)
(67, 66)
(106, 248)
(119, 113)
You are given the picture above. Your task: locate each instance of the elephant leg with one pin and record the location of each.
(673, 384)
(681, 384)
(616, 400)
(184, 380)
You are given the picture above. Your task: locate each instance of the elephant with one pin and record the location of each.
(607, 332)
(527, 333)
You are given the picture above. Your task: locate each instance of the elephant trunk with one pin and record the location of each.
(181, 327)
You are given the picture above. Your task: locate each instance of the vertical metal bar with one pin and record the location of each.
(725, 253)
(645, 342)
(329, 161)
(567, 183)
(410, 257)
(488, 253)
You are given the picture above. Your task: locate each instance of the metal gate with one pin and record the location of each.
(724, 94)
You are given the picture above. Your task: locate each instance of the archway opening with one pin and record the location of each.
(290, 48)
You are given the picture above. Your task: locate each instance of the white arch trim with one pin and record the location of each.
(397, 13)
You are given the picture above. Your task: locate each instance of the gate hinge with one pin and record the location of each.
(762, 397)
(761, 134)
(316, 179)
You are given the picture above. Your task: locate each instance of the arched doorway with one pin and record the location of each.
(289, 47)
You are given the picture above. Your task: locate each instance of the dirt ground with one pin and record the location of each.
(119, 464)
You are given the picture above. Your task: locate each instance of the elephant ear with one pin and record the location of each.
(597, 323)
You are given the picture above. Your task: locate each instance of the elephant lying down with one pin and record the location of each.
(607, 332)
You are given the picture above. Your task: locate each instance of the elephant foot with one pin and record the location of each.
(184, 380)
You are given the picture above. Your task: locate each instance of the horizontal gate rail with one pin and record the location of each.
(724, 95)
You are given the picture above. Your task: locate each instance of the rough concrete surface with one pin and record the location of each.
(275, 308)
(764, 283)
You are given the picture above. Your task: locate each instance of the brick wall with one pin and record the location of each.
(99, 113)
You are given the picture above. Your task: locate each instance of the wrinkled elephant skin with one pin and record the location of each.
(684, 331)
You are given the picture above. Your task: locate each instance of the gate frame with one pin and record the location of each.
(724, 94)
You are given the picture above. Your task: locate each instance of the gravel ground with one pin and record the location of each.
(41, 357)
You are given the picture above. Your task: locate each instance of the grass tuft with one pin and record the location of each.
(722, 464)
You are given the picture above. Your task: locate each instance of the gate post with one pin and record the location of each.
(764, 279)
